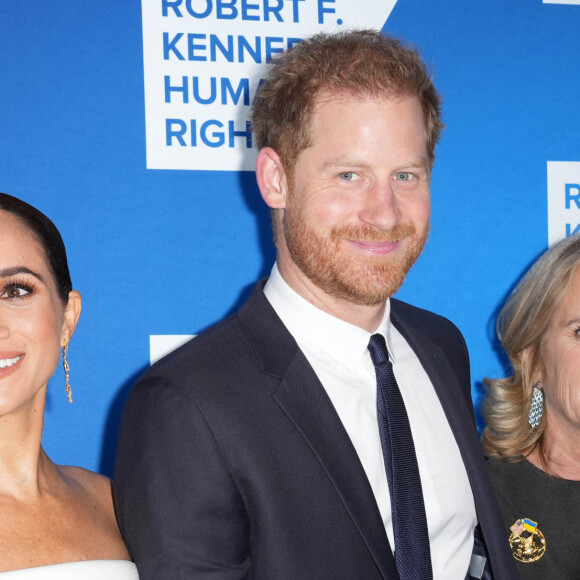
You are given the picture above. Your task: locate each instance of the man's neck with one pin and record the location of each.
(363, 316)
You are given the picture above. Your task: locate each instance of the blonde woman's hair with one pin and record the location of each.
(522, 326)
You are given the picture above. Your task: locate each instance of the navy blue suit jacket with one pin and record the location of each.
(233, 463)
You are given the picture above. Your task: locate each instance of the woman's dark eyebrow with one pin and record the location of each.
(7, 272)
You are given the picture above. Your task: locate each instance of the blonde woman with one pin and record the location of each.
(533, 417)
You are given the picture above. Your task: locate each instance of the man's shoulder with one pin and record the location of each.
(421, 320)
(428, 333)
(214, 346)
(219, 359)
(236, 348)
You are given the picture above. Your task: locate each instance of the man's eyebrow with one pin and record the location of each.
(418, 163)
(7, 272)
(341, 162)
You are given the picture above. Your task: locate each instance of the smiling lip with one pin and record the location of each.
(10, 364)
(376, 247)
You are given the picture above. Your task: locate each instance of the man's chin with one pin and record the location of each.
(354, 272)
(362, 287)
(375, 279)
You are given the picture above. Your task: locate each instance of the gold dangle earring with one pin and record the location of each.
(66, 371)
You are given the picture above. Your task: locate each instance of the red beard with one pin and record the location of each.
(364, 280)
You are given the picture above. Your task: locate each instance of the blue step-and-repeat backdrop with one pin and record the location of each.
(126, 123)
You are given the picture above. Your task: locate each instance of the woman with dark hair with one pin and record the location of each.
(58, 521)
(533, 417)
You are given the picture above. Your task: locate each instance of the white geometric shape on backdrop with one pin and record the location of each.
(563, 199)
(162, 344)
(203, 60)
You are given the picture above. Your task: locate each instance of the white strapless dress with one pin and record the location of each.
(86, 570)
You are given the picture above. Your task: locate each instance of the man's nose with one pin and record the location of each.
(380, 207)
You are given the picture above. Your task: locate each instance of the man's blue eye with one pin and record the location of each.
(403, 176)
(348, 175)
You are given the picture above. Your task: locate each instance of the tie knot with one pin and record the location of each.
(378, 349)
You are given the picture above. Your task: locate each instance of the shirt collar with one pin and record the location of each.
(344, 342)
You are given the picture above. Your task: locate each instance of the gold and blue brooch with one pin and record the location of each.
(527, 541)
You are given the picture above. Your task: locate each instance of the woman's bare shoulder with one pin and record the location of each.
(90, 481)
(93, 489)
(94, 493)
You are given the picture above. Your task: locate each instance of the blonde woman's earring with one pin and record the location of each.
(537, 406)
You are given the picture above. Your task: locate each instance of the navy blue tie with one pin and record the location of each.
(412, 553)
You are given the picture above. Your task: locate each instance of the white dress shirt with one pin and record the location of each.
(338, 353)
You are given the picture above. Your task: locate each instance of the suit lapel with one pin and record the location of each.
(458, 410)
(304, 400)
(308, 406)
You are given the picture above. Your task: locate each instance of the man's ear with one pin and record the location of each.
(271, 178)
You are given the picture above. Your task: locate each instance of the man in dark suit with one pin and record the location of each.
(326, 430)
